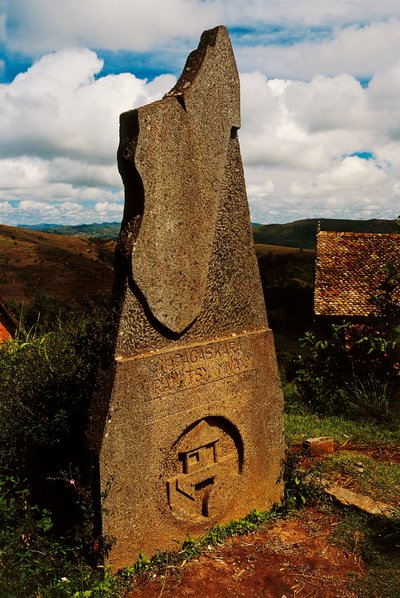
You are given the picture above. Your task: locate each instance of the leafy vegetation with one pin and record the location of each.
(287, 280)
(375, 541)
(354, 370)
(46, 518)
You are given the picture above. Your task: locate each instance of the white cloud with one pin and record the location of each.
(59, 136)
(260, 190)
(65, 212)
(311, 13)
(22, 173)
(3, 34)
(45, 25)
(359, 51)
(58, 108)
(302, 128)
(109, 211)
(297, 142)
(303, 138)
(352, 173)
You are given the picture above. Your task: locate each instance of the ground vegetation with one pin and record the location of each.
(48, 546)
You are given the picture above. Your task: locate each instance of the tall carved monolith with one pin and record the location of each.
(187, 421)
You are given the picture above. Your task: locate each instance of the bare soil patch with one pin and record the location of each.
(62, 266)
(291, 557)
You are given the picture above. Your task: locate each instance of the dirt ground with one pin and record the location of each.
(62, 266)
(290, 558)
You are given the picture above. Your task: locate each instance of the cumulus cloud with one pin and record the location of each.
(311, 13)
(303, 143)
(73, 212)
(59, 134)
(58, 108)
(308, 124)
(2, 26)
(310, 141)
(359, 51)
(43, 25)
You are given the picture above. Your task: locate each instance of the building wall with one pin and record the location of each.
(5, 333)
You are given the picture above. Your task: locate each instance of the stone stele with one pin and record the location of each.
(187, 420)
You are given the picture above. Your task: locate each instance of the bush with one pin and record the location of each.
(354, 370)
(46, 384)
(33, 559)
(46, 522)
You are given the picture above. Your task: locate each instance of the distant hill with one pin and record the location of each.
(302, 233)
(69, 268)
(105, 230)
(45, 259)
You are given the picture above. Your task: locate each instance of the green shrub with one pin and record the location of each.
(32, 558)
(354, 370)
(46, 383)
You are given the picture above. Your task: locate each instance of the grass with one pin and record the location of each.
(372, 540)
(381, 481)
(376, 542)
(359, 433)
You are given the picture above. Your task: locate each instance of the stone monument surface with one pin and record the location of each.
(187, 421)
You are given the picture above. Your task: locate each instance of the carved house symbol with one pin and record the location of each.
(194, 493)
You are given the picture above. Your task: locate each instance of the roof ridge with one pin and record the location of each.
(357, 234)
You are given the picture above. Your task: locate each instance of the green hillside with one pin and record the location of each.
(104, 230)
(302, 233)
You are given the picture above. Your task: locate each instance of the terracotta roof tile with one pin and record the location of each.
(348, 271)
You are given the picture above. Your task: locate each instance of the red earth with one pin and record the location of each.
(290, 558)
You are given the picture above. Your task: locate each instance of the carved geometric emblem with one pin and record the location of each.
(208, 469)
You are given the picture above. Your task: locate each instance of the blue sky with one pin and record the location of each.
(320, 88)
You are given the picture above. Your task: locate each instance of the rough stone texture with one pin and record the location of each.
(187, 421)
(182, 183)
(364, 503)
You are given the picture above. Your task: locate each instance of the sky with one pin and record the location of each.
(320, 101)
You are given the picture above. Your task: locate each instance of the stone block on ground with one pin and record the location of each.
(319, 446)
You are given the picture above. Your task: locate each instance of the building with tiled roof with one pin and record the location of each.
(349, 271)
(8, 324)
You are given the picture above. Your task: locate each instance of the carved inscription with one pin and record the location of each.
(208, 466)
(200, 365)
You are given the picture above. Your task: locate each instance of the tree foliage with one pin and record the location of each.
(46, 516)
(354, 369)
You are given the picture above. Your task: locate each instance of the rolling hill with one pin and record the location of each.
(302, 233)
(65, 267)
(75, 262)
(105, 230)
